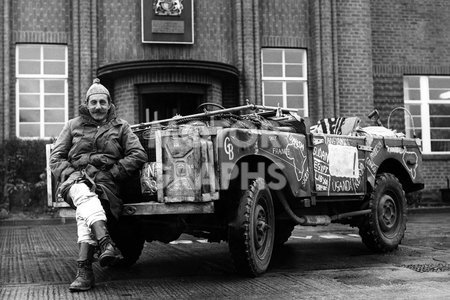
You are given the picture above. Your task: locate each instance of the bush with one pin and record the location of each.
(22, 173)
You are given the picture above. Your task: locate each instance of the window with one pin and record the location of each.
(41, 90)
(284, 79)
(428, 100)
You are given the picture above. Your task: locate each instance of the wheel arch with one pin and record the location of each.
(253, 160)
(396, 168)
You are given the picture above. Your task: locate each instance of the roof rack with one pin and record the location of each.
(255, 107)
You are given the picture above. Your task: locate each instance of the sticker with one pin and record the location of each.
(318, 141)
(228, 146)
(343, 161)
(295, 152)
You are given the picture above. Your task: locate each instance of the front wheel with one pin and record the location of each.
(384, 227)
(251, 233)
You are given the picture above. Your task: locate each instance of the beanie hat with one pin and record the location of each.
(97, 88)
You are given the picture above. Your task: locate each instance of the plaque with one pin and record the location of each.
(167, 21)
(167, 26)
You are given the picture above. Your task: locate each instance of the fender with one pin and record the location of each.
(285, 151)
(404, 152)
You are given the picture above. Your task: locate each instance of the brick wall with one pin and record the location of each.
(120, 34)
(354, 50)
(2, 72)
(435, 173)
(410, 38)
(281, 26)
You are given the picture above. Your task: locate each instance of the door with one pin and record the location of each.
(160, 106)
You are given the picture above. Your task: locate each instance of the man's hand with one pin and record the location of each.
(66, 173)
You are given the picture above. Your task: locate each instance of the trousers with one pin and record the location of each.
(88, 211)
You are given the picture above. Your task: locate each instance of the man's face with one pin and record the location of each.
(98, 106)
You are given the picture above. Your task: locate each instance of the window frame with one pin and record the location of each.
(424, 102)
(42, 78)
(284, 79)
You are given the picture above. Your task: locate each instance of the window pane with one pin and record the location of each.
(294, 88)
(272, 71)
(29, 67)
(29, 115)
(53, 130)
(409, 133)
(412, 82)
(412, 95)
(293, 56)
(439, 94)
(272, 55)
(443, 121)
(54, 101)
(28, 100)
(54, 115)
(29, 130)
(54, 86)
(301, 112)
(273, 100)
(439, 83)
(294, 101)
(440, 146)
(417, 122)
(440, 134)
(29, 52)
(54, 52)
(29, 86)
(273, 87)
(414, 109)
(294, 71)
(439, 109)
(55, 68)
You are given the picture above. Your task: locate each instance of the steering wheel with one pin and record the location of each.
(203, 105)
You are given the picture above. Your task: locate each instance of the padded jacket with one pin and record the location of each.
(101, 154)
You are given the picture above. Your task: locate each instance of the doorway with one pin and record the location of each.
(160, 106)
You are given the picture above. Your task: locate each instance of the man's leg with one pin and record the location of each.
(90, 210)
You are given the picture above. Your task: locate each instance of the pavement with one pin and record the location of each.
(21, 219)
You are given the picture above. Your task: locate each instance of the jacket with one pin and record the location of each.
(100, 154)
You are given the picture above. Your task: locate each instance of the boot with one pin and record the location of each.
(109, 253)
(85, 275)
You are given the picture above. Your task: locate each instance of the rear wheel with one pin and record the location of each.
(251, 233)
(127, 236)
(384, 227)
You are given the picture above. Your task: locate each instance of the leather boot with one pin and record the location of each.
(85, 275)
(109, 253)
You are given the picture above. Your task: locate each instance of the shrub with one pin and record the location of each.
(22, 165)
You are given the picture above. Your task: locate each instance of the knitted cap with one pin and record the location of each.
(97, 88)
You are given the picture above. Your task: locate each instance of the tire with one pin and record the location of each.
(251, 233)
(128, 238)
(283, 231)
(384, 228)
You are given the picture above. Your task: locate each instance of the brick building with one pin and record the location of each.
(326, 58)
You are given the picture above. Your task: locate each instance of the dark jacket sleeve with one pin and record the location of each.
(134, 155)
(59, 162)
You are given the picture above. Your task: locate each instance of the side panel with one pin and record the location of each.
(287, 151)
(338, 165)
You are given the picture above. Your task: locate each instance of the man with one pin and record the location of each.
(92, 155)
